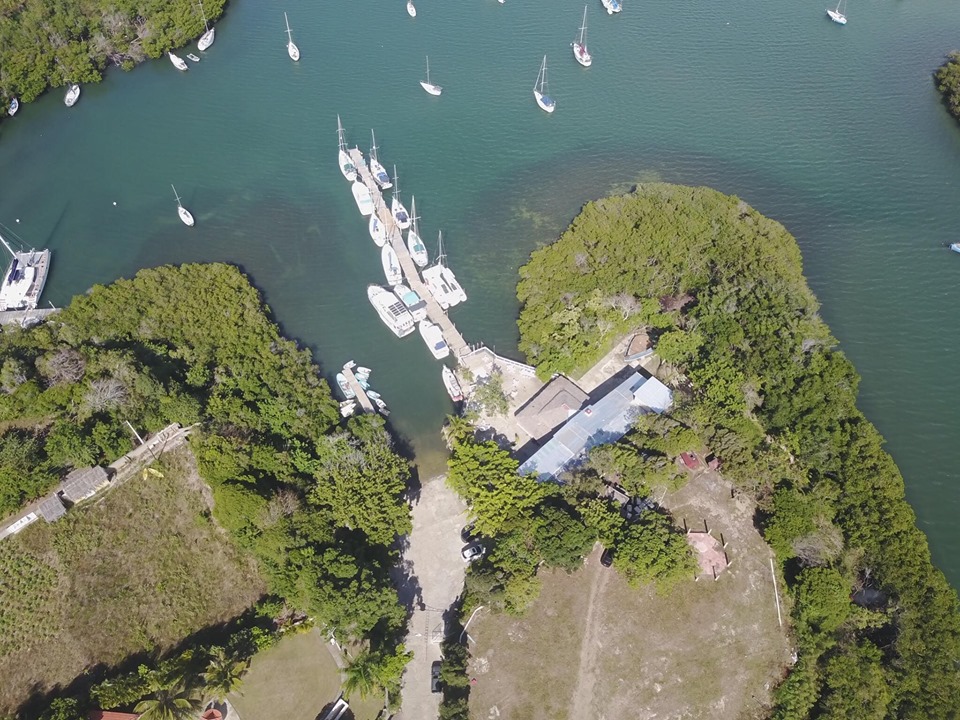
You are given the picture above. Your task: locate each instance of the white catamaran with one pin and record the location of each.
(206, 40)
(837, 15)
(399, 212)
(545, 102)
(292, 50)
(430, 87)
(580, 51)
(442, 282)
(379, 173)
(185, 215)
(346, 164)
(418, 251)
(24, 280)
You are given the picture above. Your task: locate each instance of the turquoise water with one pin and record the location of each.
(835, 131)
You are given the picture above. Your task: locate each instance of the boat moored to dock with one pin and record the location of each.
(24, 279)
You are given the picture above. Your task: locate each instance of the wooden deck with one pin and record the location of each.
(25, 317)
(458, 346)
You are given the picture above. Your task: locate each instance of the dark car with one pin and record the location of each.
(607, 558)
(467, 533)
(435, 676)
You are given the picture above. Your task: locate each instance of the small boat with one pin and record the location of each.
(14, 106)
(433, 337)
(346, 164)
(373, 395)
(379, 174)
(364, 381)
(292, 50)
(391, 311)
(344, 386)
(194, 58)
(399, 212)
(206, 40)
(418, 251)
(430, 87)
(185, 215)
(836, 15)
(178, 62)
(22, 284)
(411, 9)
(451, 384)
(381, 406)
(391, 265)
(955, 247)
(361, 370)
(580, 51)
(363, 197)
(413, 302)
(612, 6)
(377, 231)
(545, 102)
(73, 94)
(348, 408)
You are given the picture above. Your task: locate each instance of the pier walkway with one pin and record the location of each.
(458, 346)
(25, 318)
(357, 388)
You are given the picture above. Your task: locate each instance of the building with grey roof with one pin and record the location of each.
(82, 483)
(550, 407)
(51, 508)
(605, 421)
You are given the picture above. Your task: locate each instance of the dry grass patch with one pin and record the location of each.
(593, 647)
(139, 570)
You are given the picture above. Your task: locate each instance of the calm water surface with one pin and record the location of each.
(835, 131)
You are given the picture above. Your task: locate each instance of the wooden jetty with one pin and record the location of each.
(25, 318)
(357, 388)
(458, 346)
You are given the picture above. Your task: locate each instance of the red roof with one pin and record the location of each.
(212, 714)
(110, 715)
(690, 460)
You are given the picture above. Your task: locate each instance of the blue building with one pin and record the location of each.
(605, 421)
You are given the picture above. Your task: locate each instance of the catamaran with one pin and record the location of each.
(73, 94)
(379, 173)
(346, 164)
(399, 212)
(23, 282)
(836, 15)
(206, 40)
(292, 50)
(433, 338)
(178, 62)
(391, 311)
(418, 251)
(451, 384)
(545, 102)
(14, 106)
(612, 6)
(430, 87)
(580, 51)
(442, 282)
(411, 9)
(413, 302)
(363, 197)
(378, 233)
(185, 215)
(391, 265)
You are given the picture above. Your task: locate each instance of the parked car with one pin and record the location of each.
(435, 676)
(467, 533)
(473, 551)
(607, 558)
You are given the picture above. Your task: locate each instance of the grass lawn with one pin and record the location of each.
(137, 570)
(294, 680)
(591, 646)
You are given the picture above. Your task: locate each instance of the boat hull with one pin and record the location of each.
(955, 247)
(545, 102)
(178, 62)
(346, 166)
(361, 194)
(378, 233)
(391, 311)
(14, 106)
(451, 385)
(73, 94)
(400, 214)
(391, 265)
(185, 216)
(206, 40)
(837, 17)
(431, 88)
(582, 55)
(433, 338)
(379, 173)
(293, 51)
(418, 251)
(411, 9)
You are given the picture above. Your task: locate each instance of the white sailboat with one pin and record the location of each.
(433, 338)
(378, 233)
(612, 6)
(545, 102)
(430, 87)
(411, 9)
(837, 15)
(451, 384)
(391, 265)
(206, 40)
(73, 94)
(346, 164)
(418, 251)
(363, 198)
(580, 51)
(185, 215)
(22, 284)
(379, 173)
(399, 212)
(178, 62)
(393, 313)
(292, 50)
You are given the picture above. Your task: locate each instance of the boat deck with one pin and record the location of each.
(357, 388)
(458, 346)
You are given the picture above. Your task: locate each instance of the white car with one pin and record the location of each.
(473, 551)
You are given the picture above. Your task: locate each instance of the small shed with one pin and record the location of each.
(690, 460)
(52, 508)
(83, 483)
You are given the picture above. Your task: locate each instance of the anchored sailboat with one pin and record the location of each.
(185, 215)
(430, 87)
(206, 40)
(545, 102)
(292, 50)
(418, 251)
(580, 51)
(379, 174)
(411, 9)
(836, 15)
(346, 164)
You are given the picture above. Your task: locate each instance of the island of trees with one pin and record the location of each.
(49, 44)
(318, 504)
(721, 290)
(948, 83)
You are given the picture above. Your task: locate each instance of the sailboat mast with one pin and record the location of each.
(583, 27)
(7, 246)
(373, 146)
(287, 22)
(428, 69)
(175, 194)
(204, 16)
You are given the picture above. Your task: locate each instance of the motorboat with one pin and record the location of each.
(184, 214)
(363, 197)
(344, 386)
(451, 384)
(393, 312)
(838, 16)
(413, 302)
(209, 35)
(378, 171)
(399, 212)
(292, 50)
(580, 52)
(348, 408)
(361, 370)
(346, 164)
(955, 247)
(418, 251)
(430, 87)
(433, 337)
(373, 395)
(391, 265)
(178, 62)
(14, 106)
(381, 406)
(193, 58)
(23, 282)
(545, 102)
(377, 231)
(612, 6)
(411, 9)
(73, 94)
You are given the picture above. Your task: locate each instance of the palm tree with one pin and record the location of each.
(169, 703)
(224, 675)
(362, 675)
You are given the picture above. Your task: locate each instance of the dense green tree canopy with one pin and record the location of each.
(948, 82)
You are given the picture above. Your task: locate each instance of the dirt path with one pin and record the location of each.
(582, 700)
